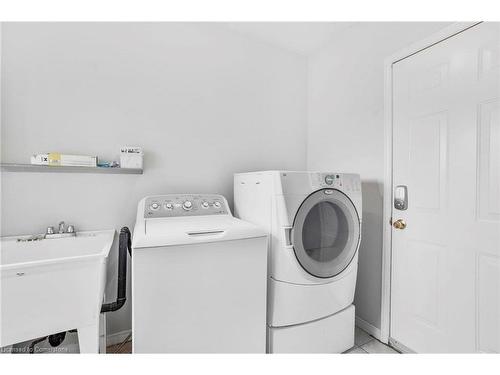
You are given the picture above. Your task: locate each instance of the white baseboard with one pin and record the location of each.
(117, 338)
(369, 328)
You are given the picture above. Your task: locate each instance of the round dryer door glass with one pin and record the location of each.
(326, 233)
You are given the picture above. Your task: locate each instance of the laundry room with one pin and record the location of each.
(249, 187)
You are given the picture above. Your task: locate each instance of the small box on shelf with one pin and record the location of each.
(131, 157)
(57, 159)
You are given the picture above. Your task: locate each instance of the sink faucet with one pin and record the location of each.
(62, 232)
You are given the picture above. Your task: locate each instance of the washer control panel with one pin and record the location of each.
(175, 205)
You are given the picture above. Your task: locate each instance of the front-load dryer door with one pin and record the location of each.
(326, 233)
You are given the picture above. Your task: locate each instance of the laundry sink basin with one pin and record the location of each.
(53, 285)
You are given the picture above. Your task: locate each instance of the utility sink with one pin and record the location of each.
(53, 285)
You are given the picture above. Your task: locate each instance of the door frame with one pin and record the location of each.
(448, 32)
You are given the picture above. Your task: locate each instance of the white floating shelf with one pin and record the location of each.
(14, 167)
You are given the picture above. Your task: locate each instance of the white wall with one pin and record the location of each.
(345, 129)
(203, 101)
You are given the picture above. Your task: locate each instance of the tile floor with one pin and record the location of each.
(124, 348)
(366, 344)
(363, 344)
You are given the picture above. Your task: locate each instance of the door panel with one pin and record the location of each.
(427, 160)
(488, 336)
(445, 283)
(426, 260)
(489, 160)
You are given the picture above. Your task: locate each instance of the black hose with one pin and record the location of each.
(57, 339)
(124, 244)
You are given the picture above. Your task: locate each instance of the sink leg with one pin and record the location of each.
(88, 338)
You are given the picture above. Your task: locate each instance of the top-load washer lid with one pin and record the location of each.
(181, 219)
(186, 231)
(326, 233)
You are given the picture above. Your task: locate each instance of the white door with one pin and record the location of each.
(445, 279)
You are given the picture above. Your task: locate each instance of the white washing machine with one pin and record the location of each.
(314, 219)
(198, 278)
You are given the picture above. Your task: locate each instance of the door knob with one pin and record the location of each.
(399, 224)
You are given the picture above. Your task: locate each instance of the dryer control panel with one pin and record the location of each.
(341, 181)
(178, 205)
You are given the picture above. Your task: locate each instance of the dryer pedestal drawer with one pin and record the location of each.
(333, 334)
(291, 304)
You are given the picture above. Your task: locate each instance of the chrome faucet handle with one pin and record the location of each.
(70, 229)
(61, 227)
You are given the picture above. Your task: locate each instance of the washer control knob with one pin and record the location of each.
(169, 206)
(154, 206)
(187, 205)
(217, 204)
(205, 205)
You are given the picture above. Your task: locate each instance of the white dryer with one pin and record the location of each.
(198, 278)
(314, 219)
